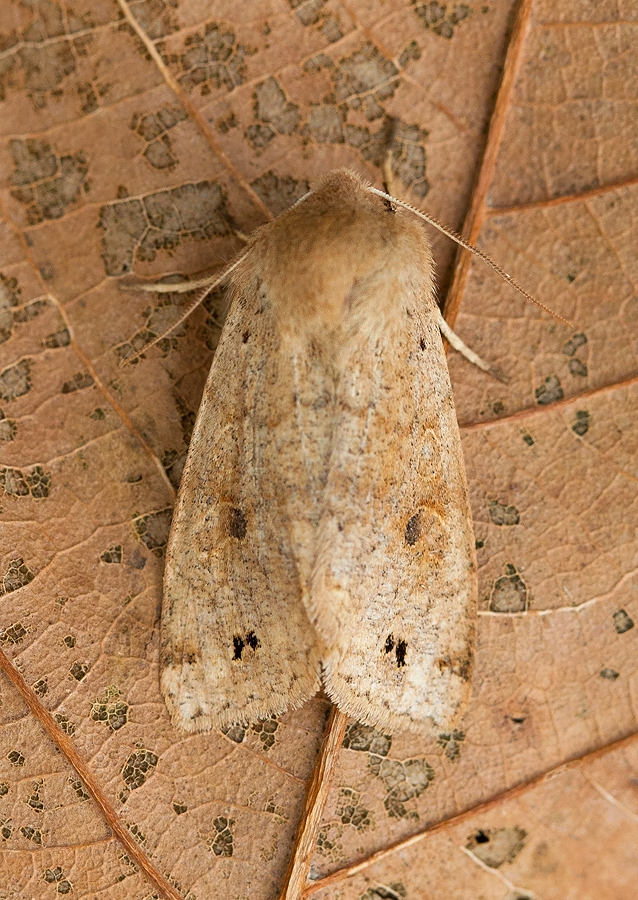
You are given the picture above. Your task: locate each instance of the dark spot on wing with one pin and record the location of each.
(245, 336)
(422, 343)
(238, 645)
(189, 654)
(252, 640)
(413, 529)
(400, 647)
(237, 524)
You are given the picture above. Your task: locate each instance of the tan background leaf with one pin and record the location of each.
(136, 137)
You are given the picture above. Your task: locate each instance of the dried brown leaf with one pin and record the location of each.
(140, 137)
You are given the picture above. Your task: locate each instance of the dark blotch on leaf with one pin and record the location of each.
(79, 382)
(451, 743)
(501, 514)
(78, 670)
(577, 367)
(622, 622)
(574, 343)
(509, 594)
(496, 846)
(549, 391)
(236, 733)
(222, 844)
(112, 554)
(53, 875)
(138, 767)
(153, 529)
(609, 674)
(581, 425)
(365, 738)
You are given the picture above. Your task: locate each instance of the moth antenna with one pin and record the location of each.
(475, 250)
(208, 284)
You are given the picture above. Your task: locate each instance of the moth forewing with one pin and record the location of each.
(396, 571)
(237, 644)
(323, 519)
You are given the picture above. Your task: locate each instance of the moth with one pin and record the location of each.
(322, 532)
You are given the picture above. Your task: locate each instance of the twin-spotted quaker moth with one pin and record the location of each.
(323, 531)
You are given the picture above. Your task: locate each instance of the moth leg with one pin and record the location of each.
(389, 181)
(391, 187)
(464, 350)
(205, 286)
(191, 307)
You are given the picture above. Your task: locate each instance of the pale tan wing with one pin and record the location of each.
(389, 574)
(394, 589)
(237, 644)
